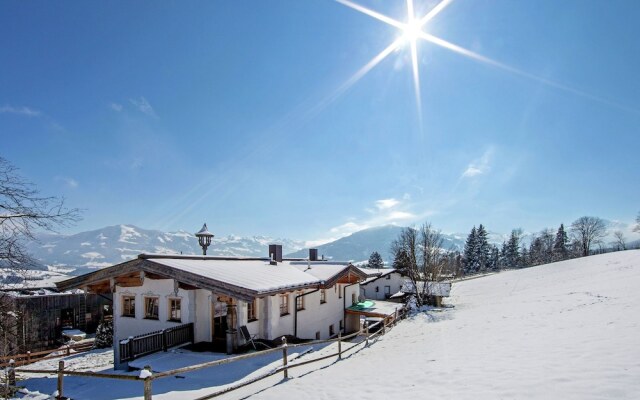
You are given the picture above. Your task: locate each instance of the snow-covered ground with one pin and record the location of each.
(567, 330)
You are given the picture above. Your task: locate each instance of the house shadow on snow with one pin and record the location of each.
(108, 389)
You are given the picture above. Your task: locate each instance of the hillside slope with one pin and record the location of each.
(566, 330)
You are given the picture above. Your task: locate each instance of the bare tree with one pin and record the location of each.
(23, 211)
(620, 241)
(588, 231)
(420, 256)
(637, 227)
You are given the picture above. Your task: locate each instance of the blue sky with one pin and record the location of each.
(169, 114)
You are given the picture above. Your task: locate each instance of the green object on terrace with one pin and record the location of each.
(364, 304)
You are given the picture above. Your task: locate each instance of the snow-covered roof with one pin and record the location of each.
(375, 272)
(256, 275)
(433, 288)
(242, 277)
(322, 270)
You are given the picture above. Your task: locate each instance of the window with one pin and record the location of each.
(341, 325)
(284, 304)
(377, 289)
(388, 276)
(300, 301)
(318, 335)
(251, 310)
(339, 292)
(354, 300)
(129, 306)
(174, 310)
(387, 291)
(151, 307)
(323, 296)
(331, 330)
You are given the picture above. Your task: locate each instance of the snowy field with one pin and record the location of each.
(566, 330)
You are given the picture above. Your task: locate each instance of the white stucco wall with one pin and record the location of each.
(202, 325)
(163, 289)
(395, 283)
(196, 308)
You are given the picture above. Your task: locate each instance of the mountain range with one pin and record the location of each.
(87, 251)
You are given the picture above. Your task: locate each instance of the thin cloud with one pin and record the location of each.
(24, 111)
(385, 204)
(116, 107)
(143, 106)
(386, 211)
(480, 166)
(68, 182)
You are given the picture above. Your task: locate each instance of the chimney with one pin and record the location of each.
(313, 254)
(275, 252)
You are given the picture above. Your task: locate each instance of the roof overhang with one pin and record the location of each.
(132, 273)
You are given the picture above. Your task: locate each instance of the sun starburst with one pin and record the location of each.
(412, 31)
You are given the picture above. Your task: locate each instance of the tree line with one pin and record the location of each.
(419, 253)
(582, 238)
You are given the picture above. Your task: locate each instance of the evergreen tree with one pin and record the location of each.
(104, 335)
(471, 253)
(560, 250)
(375, 260)
(536, 252)
(401, 260)
(494, 259)
(525, 259)
(482, 248)
(512, 255)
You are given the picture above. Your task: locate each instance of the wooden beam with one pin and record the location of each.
(185, 286)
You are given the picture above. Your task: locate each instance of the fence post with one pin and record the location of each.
(284, 357)
(12, 372)
(164, 340)
(395, 320)
(130, 347)
(384, 324)
(68, 350)
(340, 345)
(60, 379)
(147, 383)
(366, 332)
(28, 357)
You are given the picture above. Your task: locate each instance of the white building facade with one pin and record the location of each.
(381, 284)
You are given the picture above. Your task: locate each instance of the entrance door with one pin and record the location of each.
(220, 328)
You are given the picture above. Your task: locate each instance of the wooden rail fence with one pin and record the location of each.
(152, 342)
(147, 377)
(29, 357)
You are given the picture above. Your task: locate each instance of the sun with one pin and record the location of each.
(412, 31)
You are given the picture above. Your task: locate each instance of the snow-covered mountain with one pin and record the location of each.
(86, 251)
(359, 245)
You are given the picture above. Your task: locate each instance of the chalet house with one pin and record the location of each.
(382, 283)
(271, 297)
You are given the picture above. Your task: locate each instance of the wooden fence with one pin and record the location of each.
(148, 377)
(152, 342)
(29, 357)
